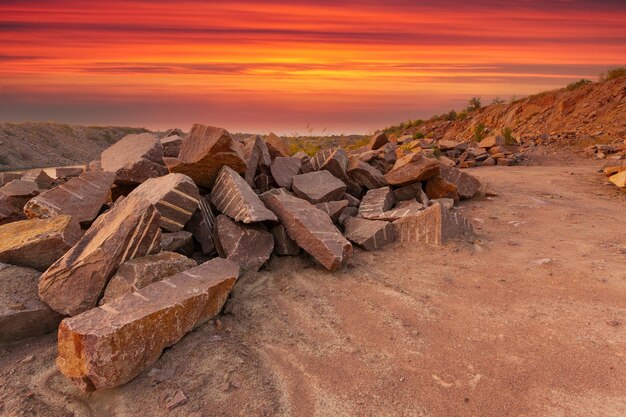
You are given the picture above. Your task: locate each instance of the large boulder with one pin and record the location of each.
(175, 197)
(467, 185)
(171, 145)
(419, 169)
(369, 234)
(376, 202)
(365, 174)
(248, 245)
(318, 187)
(435, 225)
(438, 187)
(134, 159)
(378, 141)
(334, 160)
(137, 273)
(234, 197)
(310, 228)
(75, 282)
(81, 197)
(22, 314)
(276, 146)
(37, 243)
(257, 158)
(108, 346)
(283, 170)
(205, 151)
(202, 224)
(13, 198)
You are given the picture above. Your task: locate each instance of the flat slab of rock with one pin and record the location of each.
(467, 185)
(202, 224)
(310, 228)
(175, 196)
(108, 346)
(366, 175)
(37, 243)
(283, 244)
(334, 160)
(75, 282)
(283, 170)
(248, 245)
(137, 273)
(22, 314)
(13, 197)
(376, 202)
(39, 177)
(318, 187)
(257, 158)
(69, 172)
(134, 159)
(233, 196)
(435, 225)
(419, 170)
(205, 151)
(369, 234)
(81, 197)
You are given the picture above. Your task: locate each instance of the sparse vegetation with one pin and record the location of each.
(580, 83)
(507, 134)
(497, 100)
(474, 104)
(479, 132)
(418, 135)
(613, 73)
(451, 115)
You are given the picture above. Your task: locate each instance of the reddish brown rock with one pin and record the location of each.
(318, 187)
(466, 184)
(13, 197)
(376, 202)
(134, 159)
(333, 208)
(284, 169)
(257, 158)
(175, 196)
(233, 196)
(419, 169)
(22, 314)
(39, 177)
(37, 243)
(504, 161)
(619, 179)
(7, 177)
(438, 187)
(181, 242)
(333, 160)
(262, 183)
(108, 346)
(404, 209)
(378, 141)
(137, 273)
(276, 146)
(171, 145)
(490, 141)
(369, 234)
(248, 245)
(69, 172)
(75, 282)
(366, 175)
(489, 162)
(81, 197)
(311, 228)
(283, 244)
(205, 151)
(346, 214)
(408, 192)
(202, 224)
(435, 225)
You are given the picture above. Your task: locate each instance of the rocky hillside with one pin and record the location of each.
(44, 144)
(579, 114)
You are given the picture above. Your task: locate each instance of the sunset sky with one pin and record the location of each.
(256, 66)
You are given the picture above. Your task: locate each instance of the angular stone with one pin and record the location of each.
(22, 314)
(376, 202)
(311, 228)
(378, 140)
(13, 197)
(233, 196)
(504, 161)
(405, 209)
(352, 200)
(171, 145)
(613, 166)
(490, 141)
(353, 188)
(75, 282)
(419, 170)
(446, 202)
(205, 151)
(81, 197)
(284, 169)
(7, 177)
(110, 345)
(369, 234)
(333, 208)
(366, 175)
(134, 159)
(447, 144)
(39, 177)
(181, 241)
(438, 187)
(175, 196)
(408, 192)
(346, 214)
(202, 224)
(435, 225)
(137, 273)
(489, 162)
(619, 179)
(250, 245)
(283, 244)
(333, 160)
(276, 146)
(467, 185)
(318, 187)
(37, 243)
(69, 172)
(257, 157)
(94, 166)
(262, 182)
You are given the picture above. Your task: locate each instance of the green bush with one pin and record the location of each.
(613, 73)
(497, 100)
(507, 134)
(577, 84)
(451, 115)
(479, 132)
(418, 135)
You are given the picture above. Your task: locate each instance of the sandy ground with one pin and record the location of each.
(529, 320)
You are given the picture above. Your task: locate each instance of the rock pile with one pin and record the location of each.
(138, 254)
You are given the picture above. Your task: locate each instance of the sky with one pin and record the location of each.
(315, 66)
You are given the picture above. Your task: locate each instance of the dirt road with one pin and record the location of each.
(530, 320)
